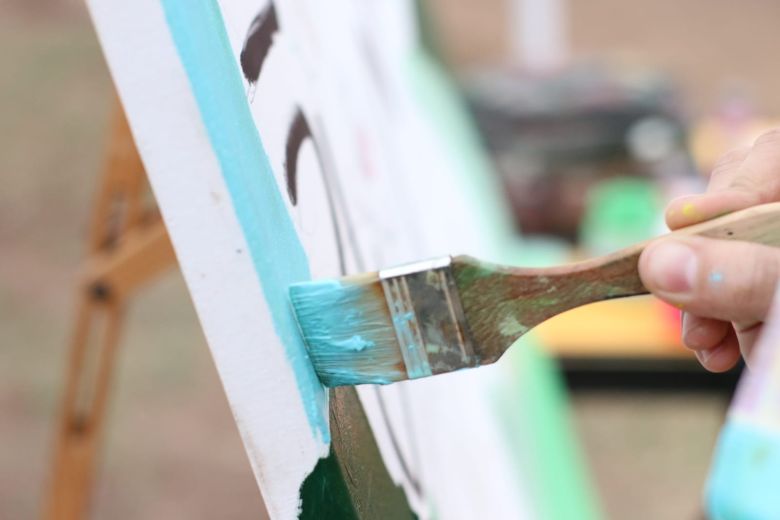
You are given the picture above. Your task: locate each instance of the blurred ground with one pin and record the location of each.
(172, 450)
(648, 454)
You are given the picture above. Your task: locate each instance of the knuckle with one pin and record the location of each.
(769, 138)
(728, 161)
(745, 183)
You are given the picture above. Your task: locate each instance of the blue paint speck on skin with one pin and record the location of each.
(716, 277)
(198, 33)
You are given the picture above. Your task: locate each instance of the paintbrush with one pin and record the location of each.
(446, 314)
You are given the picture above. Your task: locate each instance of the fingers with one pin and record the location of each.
(720, 283)
(726, 168)
(703, 333)
(692, 209)
(715, 343)
(747, 337)
(742, 178)
(721, 280)
(722, 356)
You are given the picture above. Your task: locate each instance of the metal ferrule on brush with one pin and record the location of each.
(428, 317)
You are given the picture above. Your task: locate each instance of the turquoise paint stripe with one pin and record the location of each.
(198, 32)
(743, 480)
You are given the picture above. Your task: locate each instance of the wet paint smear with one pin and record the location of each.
(356, 344)
(279, 259)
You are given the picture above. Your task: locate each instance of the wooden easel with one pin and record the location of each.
(127, 246)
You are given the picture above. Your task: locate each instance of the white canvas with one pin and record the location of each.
(393, 197)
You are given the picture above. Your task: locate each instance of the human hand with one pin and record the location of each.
(724, 288)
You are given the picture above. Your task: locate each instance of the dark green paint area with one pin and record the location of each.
(351, 483)
(324, 493)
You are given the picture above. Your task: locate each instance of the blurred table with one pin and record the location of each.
(627, 343)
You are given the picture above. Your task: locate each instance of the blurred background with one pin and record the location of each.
(605, 109)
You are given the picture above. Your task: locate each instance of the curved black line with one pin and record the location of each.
(335, 196)
(298, 132)
(394, 441)
(258, 42)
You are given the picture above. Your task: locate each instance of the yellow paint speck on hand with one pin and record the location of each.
(689, 210)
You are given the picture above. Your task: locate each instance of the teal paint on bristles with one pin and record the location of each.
(441, 315)
(373, 328)
(346, 329)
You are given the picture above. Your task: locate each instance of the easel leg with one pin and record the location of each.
(80, 426)
(128, 245)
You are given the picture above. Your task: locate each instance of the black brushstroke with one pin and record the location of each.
(299, 131)
(258, 42)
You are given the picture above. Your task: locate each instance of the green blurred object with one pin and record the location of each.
(620, 212)
(532, 400)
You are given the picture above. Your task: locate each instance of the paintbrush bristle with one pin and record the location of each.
(348, 330)
(401, 323)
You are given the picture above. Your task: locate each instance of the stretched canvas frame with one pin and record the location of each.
(286, 140)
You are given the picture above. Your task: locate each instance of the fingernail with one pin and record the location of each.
(672, 266)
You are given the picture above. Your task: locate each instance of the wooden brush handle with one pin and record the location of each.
(503, 303)
(617, 275)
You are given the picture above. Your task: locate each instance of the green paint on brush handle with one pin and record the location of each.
(502, 303)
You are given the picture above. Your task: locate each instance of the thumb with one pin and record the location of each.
(725, 280)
